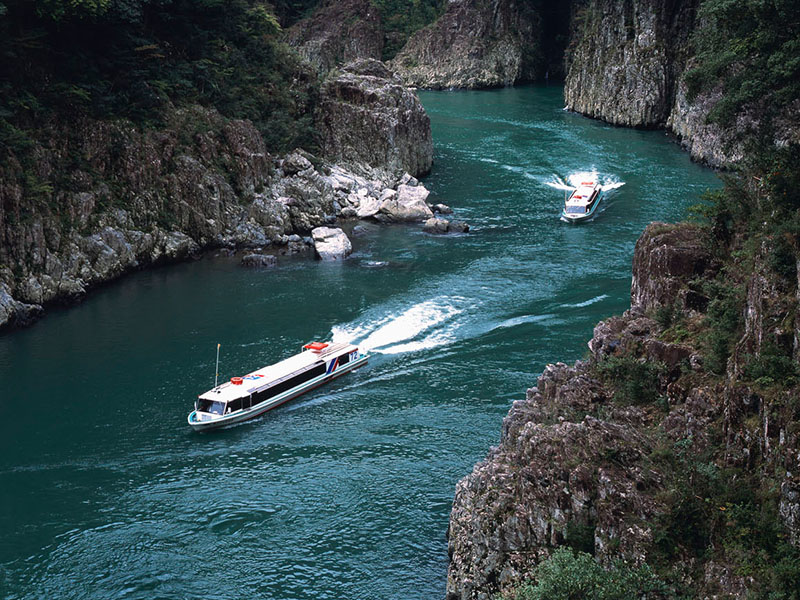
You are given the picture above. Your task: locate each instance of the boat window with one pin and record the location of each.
(344, 359)
(284, 386)
(210, 406)
(575, 209)
(235, 404)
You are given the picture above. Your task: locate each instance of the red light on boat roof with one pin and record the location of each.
(315, 346)
(588, 183)
(237, 380)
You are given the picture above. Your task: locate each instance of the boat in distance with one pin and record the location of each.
(582, 202)
(243, 398)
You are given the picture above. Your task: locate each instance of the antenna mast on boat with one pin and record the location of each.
(216, 377)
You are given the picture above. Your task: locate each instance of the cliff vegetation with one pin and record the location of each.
(665, 464)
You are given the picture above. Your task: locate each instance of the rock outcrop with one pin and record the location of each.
(475, 44)
(338, 33)
(579, 466)
(406, 205)
(366, 116)
(254, 260)
(437, 225)
(331, 243)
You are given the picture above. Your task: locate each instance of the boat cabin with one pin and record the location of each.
(300, 373)
(582, 202)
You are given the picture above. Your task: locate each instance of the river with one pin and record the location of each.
(344, 493)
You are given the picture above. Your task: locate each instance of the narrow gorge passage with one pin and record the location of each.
(346, 492)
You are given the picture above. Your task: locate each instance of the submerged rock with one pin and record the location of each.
(331, 243)
(435, 225)
(259, 260)
(439, 225)
(442, 209)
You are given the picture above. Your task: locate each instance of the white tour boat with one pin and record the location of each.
(582, 202)
(246, 397)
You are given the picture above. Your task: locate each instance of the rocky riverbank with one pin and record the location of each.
(113, 197)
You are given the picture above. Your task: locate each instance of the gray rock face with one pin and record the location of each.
(626, 60)
(182, 193)
(331, 243)
(626, 64)
(366, 116)
(571, 455)
(666, 258)
(338, 32)
(475, 44)
(14, 313)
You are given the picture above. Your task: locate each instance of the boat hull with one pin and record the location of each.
(259, 409)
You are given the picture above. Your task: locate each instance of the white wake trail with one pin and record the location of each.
(574, 180)
(422, 326)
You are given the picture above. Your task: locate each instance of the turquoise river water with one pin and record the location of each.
(344, 493)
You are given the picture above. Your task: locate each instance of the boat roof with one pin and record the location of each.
(583, 193)
(260, 377)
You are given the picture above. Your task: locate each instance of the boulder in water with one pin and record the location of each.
(436, 225)
(439, 225)
(331, 243)
(407, 206)
(259, 261)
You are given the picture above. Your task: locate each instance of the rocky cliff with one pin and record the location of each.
(626, 58)
(627, 63)
(639, 452)
(367, 117)
(338, 33)
(102, 198)
(475, 45)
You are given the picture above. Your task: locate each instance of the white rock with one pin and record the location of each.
(408, 205)
(331, 243)
(368, 207)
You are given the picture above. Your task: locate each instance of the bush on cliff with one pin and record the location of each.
(753, 48)
(634, 382)
(576, 576)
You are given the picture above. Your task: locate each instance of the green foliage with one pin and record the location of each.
(724, 322)
(634, 382)
(724, 512)
(401, 18)
(773, 366)
(580, 536)
(138, 58)
(576, 576)
(61, 9)
(753, 48)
